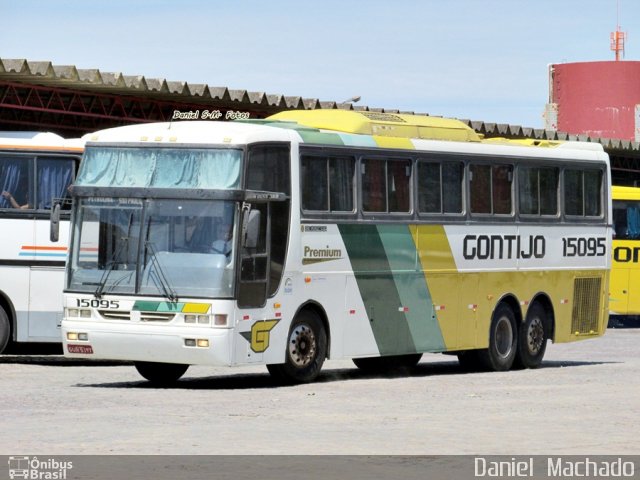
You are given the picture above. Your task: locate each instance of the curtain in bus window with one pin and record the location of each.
(633, 222)
(592, 193)
(501, 187)
(528, 191)
(54, 177)
(374, 186)
(116, 167)
(429, 193)
(14, 179)
(314, 183)
(197, 169)
(341, 176)
(549, 191)
(399, 192)
(452, 175)
(480, 188)
(573, 192)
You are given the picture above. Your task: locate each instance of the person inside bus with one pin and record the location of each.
(223, 243)
(14, 203)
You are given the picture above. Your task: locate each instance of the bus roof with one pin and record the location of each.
(39, 141)
(625, 193)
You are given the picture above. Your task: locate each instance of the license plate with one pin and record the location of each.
(87, 349)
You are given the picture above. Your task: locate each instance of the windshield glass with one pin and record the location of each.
(169, 248)
(213, 168)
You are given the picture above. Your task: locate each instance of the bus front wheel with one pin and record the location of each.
(161, 374)
(5, 329)
(503, 340)
(305, 351)
(532, 338)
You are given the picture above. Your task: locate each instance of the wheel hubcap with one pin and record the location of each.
(535, 336)
(302, 346)
(504, 337)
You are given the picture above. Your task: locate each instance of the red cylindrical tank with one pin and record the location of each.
(597, 98)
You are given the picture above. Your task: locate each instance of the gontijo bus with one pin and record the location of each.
(369, 236)
(625, 270)
(35, 168)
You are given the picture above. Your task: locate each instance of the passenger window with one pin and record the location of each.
(15, 182)
(490, 189)
(538, 191)
(327, 183)
(386, 185)
(54, 175)
(583, 192)
(440, 187)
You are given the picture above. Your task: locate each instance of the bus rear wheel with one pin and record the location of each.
(5, 330)
(305, 352)
(161, 374)
(503, 340)
(532, 338)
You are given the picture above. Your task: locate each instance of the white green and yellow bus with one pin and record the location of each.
(375, 237)
(35, 169)
(625, 269)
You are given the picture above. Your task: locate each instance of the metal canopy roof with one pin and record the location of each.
(143, 99)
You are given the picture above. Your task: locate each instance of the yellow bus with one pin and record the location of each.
(369, 236)
(625, 269)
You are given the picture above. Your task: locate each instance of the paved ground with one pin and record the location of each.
(584, 400)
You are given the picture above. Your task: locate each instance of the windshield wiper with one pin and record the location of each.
(110, 267)
(112, 260)
(157, 274)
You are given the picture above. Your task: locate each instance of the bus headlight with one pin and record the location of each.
(77, 313)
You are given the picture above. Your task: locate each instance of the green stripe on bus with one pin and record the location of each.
(144, 306)
(377, 288)
(410, 282)
(311, 136)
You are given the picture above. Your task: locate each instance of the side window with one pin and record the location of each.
(268, 169)
(53, 177)
(327, 183)
(440, 187)
(490, 189)
(538, 191)
(15, 182)
(386, 185)
(583, 192)
(626, 220)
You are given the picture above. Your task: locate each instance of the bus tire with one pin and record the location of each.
(389, 363)
(532, 338)
(5, 330)
(503, 340)
(305, 351)
(161, 374)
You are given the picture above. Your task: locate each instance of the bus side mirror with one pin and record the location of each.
(54, 221)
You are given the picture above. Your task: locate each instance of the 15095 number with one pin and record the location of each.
(584, 247)
(95, 303)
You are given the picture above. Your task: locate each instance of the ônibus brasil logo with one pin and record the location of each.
(33, 468)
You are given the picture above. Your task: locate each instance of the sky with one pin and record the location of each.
(484, 60)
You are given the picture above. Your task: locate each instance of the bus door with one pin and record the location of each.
(264, 232)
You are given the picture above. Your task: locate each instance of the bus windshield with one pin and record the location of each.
(170, 248)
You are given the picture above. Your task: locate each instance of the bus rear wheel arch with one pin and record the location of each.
(305, 351)
(161, 374)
